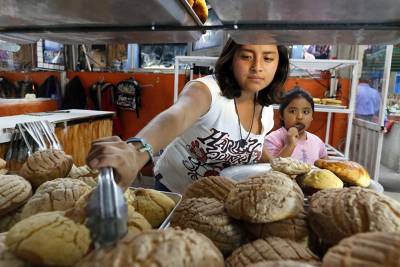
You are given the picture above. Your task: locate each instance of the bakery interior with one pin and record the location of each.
(62, 71)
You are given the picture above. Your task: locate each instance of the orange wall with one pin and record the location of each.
(157, 95)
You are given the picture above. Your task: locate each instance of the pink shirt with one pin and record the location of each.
(308, 150)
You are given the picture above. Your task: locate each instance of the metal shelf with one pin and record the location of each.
(103, 21)
(310, 22)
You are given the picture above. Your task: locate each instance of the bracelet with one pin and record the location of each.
(146, 147)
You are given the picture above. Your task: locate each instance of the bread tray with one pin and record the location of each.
(176, 197)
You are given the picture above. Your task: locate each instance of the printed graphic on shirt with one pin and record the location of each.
(210, 155)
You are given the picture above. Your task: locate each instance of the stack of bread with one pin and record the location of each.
(3, 164)
(261, 221)
(43, 212)
(200, 8)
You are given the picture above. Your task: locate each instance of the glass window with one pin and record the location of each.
(160, 56)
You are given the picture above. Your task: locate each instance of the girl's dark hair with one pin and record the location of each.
(230, 88)
(292, 94)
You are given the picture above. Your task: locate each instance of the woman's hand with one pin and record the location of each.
(122, 157)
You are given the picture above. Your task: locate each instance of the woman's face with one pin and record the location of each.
(254, 66)
(298, 114)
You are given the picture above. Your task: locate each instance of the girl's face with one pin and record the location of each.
(298, 114)
(254, 66)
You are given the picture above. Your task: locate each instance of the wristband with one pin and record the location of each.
(146, 147)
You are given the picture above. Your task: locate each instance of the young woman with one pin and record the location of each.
(292, 139)
(219, 121)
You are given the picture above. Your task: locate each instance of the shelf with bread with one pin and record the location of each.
(301, 67)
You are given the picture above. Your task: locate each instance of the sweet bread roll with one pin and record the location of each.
(82, 171)
(317, 100)
(331, 101)
(338, 213)
(153, 205)
(136, 222)
(322, 179)
(349, 171)
(366, 249)
(290, 166)
(8, 259)
(58, 194)
(161, 248)
(212, 186)
(270, 249)
(48, 238)
(200, 8)
(46, 165)
(207, 216)
(295, 228)
(265, 199)
(190, 2)
(14, 192)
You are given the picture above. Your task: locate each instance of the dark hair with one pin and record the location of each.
(292, 94)
(230, 88)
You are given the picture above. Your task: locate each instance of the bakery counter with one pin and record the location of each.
(75, 129)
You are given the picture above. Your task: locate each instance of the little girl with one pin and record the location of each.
(292, 139)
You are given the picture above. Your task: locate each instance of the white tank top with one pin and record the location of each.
(211, 144)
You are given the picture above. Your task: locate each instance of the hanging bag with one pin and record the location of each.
(128, 95)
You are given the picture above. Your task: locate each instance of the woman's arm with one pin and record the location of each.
(126, 160)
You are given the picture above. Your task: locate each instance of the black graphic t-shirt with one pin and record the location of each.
(211, 144)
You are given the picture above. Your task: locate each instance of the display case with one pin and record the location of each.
(299, 67)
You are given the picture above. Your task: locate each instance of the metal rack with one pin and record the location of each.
(299, 67)
(173, 21)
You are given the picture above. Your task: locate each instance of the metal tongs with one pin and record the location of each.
(107, 211)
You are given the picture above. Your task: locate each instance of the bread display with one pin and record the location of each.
(166, 248)
(365, 249)
(82, 171)
(14, 192)
(48, 238)
(265, 199)
(136, 222)
(153, 205)
(270, 249)
(200, 8)
(331, 101)
(207, 216)
(338, 213)
(322, 179)
(58, 194)
(46, 165)
(290, 166)
(287, 263)
(295, 228)
(349, 171)
(212, 186)
(8, 259)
